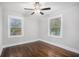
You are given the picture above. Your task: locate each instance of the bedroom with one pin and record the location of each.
(35, 21)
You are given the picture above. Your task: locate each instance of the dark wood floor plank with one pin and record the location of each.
(36, 49)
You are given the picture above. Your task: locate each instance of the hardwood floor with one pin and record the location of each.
(36, 49)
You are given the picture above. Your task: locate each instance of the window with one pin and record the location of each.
(15, 26)
(55, 26)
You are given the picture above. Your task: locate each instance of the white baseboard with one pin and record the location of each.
(63, 46)
(20, 43)
(1, 48)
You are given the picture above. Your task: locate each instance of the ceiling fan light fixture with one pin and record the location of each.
(36, 9)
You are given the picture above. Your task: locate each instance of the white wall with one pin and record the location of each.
(30, 29)
(70, 26)
(0, 30)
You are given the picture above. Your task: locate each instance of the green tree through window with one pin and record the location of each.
(55, 26)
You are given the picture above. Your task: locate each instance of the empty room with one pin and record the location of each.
(39, 29)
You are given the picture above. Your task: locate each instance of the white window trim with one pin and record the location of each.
(22, 20)
(61, 29)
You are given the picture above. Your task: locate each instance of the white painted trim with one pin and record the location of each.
(4, 46)
(20, 43)
(63, 46)
(61, 29)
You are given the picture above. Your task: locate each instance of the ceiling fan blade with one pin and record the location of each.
(45, 8)
(41, 13)
(32, 13)
(36, 3)
(28, 9)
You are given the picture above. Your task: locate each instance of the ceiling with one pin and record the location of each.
(55, 6)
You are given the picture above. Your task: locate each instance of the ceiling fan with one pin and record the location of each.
(36, 9)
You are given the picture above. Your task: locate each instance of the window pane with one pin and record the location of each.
(15, 27)
(55, 26)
